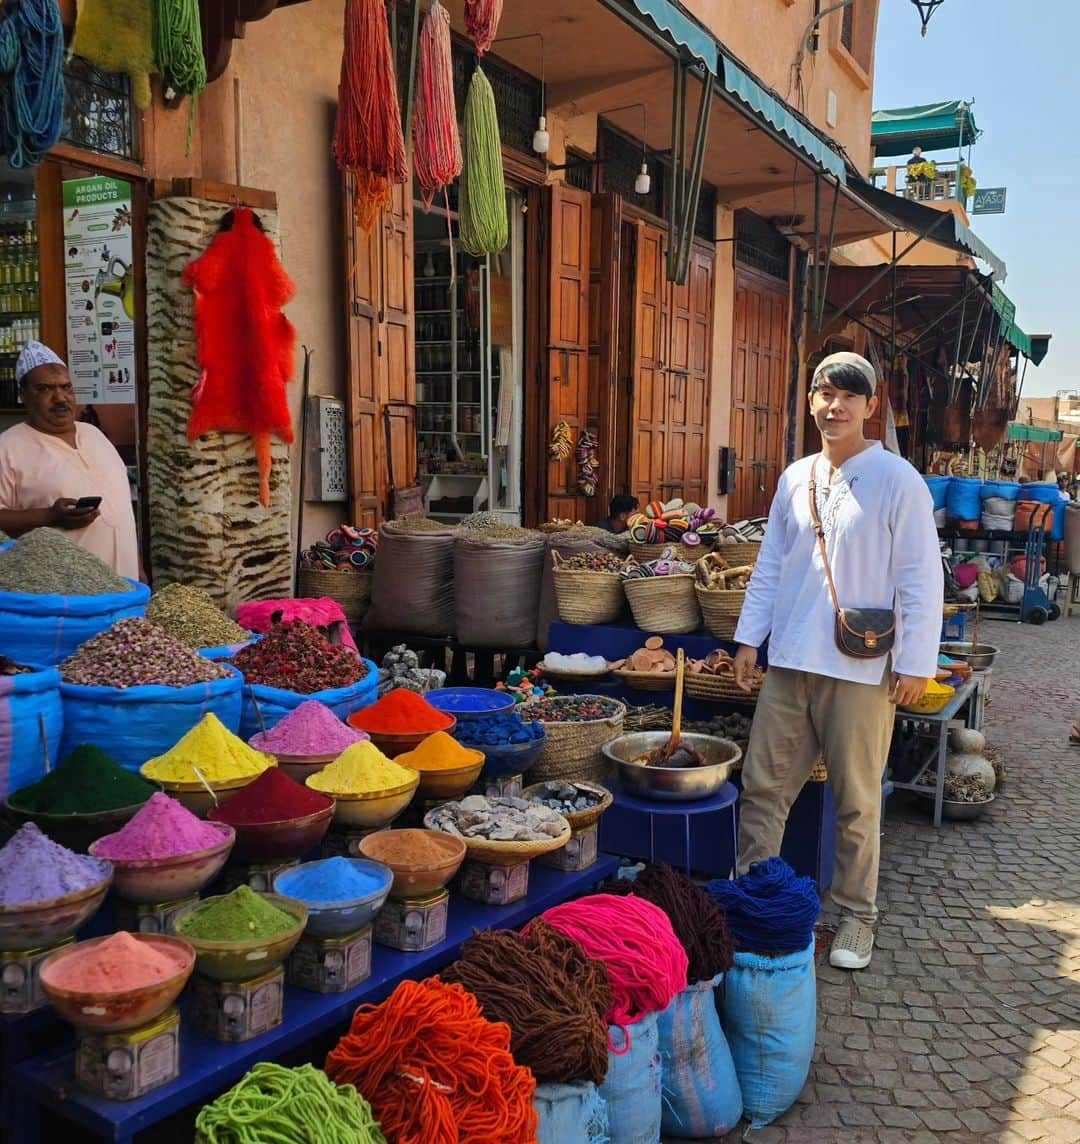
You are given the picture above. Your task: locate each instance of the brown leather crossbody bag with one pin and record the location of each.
(863, 633)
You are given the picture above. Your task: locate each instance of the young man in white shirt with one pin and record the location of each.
(878, 523)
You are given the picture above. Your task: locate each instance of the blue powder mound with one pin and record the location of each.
(497, 731)
(333, 880)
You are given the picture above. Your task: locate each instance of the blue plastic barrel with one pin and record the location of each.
(1006, 490)
(963, 501)
(939, 490)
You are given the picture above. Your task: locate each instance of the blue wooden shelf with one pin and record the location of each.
(208, 1067)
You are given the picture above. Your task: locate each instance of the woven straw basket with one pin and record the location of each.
(648, 680)
(352, 590)
(719, 689)
(665, 605)
(643, 553)
(572, 750)
(742, 552)
(720, 610)
(586, 597)
(507, 853)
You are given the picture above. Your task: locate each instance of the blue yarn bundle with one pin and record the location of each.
(769, 909)
(31, 80)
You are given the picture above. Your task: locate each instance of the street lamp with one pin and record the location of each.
(926, 9)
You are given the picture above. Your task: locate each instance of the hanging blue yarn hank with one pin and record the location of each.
(31, 80)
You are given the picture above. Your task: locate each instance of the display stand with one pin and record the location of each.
(46, 1083)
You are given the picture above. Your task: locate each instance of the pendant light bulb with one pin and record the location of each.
(643, 182)
(429, 266)
(541, 139)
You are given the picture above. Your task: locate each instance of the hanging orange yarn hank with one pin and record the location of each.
(368, 140)
(437, 154)
(435, 1071)
(482, 22)
(245, 343)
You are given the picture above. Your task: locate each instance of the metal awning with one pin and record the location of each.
(1033, 348)
(1036, 433)
(931, 126)
(941, 227)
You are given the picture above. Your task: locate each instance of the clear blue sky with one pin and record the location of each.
(1020, 62)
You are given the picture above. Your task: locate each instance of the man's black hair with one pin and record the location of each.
(842, 375)
(622, 503)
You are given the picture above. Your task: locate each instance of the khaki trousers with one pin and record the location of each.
(799, 718)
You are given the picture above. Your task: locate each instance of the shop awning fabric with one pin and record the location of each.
(1034, 433)
(1033, 348)
(931, 126)
(680, 29)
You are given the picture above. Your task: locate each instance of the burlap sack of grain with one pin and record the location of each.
(567, 544)
(414, 582)
(498, 587)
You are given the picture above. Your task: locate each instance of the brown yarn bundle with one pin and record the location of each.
(548, 991)
(697, 920)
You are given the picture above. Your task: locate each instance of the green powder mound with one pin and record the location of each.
(238, 916)
(86, 782)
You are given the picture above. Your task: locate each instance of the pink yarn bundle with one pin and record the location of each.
(645, 961)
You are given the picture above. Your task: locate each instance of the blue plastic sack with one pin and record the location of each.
(47, 629)
(701, 1091)
(135, 724)
(265, 707)
(1005, 490)
(963, 501)
(570, 1114)
(770, 1018)
(30, 707)
(939, 490)
(631, 1089)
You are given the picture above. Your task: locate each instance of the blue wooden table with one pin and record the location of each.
(208, 1067)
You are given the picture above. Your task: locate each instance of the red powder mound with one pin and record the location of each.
(401, 712)
(272, 797)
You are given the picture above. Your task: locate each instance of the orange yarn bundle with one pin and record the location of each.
(435, 1071)
(367, 138)
(482, 22)
(437, 154)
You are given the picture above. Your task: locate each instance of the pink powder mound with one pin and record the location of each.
(162, 828)
(310, 729)
(118, 964)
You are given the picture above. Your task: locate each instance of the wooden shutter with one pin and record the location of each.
(649, 410)
(568, 338)
(399, 336)
(603, 323)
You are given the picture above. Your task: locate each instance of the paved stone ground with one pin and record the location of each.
(966, 1025)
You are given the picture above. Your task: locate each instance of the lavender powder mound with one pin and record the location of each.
(33, 868)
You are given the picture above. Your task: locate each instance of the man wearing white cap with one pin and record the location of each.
(847, 588)
(51, 462)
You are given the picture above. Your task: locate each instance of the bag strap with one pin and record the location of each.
(815, 518)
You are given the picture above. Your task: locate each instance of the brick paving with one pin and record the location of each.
(966, 1025)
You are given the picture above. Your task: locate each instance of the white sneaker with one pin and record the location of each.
(853, 945)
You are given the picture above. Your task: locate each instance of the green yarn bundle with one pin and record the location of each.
(484, 225)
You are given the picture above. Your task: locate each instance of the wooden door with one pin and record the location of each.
(568, 340)
(649, 416)
(381, 364)
(759, 368)
(604, 229)
(689, 358)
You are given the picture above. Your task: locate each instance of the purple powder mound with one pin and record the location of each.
(310, 729)
(33, 868)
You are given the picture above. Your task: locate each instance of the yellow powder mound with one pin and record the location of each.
(215, 750)
(361, 769)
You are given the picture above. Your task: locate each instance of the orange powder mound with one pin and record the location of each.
(118, 964)
(440, 752)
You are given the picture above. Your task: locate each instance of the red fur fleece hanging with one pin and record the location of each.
(245, 342)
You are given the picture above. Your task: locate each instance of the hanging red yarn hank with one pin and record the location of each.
(437, 155)
(482, 22)
(245, 343)
(367, 138)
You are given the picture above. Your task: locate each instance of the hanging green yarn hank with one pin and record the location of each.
(276, 1105)
(179, 52)
(484, 225)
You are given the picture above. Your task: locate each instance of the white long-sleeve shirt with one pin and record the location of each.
(883, 549)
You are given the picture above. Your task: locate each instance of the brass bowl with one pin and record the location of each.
(672, 784)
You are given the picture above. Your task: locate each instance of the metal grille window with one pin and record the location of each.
(621, 157)
(99, 114)
(760, 246)
(579, 173)
(705, 221)
(518, 98)
(847, 28)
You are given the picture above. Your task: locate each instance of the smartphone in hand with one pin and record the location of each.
(84, 503)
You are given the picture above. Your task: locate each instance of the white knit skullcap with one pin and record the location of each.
(847, 358)
(35, 354)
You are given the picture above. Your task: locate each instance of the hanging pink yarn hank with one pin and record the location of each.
(482, 22)
(437, 154)
(633, 938)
